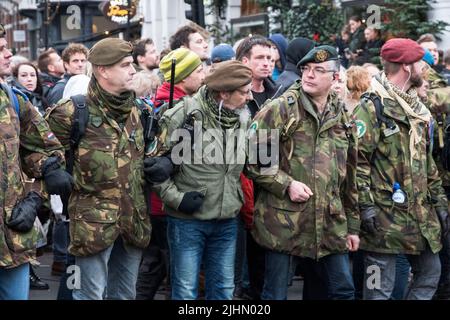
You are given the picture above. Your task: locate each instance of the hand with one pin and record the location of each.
(57, 180)
(444, 219)
(192, 201)
(299, 192)
(24, 213)
(352, 242)
(369, 221)
(157, 169)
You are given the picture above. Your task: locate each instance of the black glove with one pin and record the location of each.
(369, 221)
(192, 201)
(57, 180)
(157, 169)
(24, 213)
(444, 219)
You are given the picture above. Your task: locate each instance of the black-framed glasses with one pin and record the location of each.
(318, 70)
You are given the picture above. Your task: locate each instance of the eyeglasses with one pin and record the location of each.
(318, 70)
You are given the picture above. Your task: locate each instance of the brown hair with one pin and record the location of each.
(390, 67)
(71, 49)
(15, 73)
(139, 48)
(44, 60)
(427, 37)
(181, 37)
(358, 81)
(245, 47)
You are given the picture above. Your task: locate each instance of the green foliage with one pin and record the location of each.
(408, 18)
(320, 19)
(316, 20)
(219, 30)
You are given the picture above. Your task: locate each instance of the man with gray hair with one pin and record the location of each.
(307, 204)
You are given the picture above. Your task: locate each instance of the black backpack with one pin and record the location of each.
(148, 118)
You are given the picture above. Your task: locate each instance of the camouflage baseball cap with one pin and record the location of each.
(109, 51)
(319, 54)
(2, 31)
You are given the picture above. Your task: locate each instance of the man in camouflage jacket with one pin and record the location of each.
(307, 205)
(438, 101)
(393, 139)
(109, 225)
(27, 146)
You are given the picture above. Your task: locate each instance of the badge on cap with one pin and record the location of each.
(321, 55)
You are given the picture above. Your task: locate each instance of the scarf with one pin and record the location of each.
(118, 107)
(227, 119)
(409, 102)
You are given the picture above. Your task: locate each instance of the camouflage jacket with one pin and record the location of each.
(320, 151)
(26, 142)
(439, 105)
(108, 198)
(384, 157)
(218, 181)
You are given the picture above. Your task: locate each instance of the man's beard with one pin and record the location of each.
(243, 113)
(416, 80)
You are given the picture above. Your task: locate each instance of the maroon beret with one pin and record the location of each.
(400, 50)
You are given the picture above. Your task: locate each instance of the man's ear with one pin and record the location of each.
(224, 95)
(336, 76)
(245, 60)
(140, 59)
(102, 72)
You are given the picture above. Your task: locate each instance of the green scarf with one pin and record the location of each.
(225, 117)
(118, 107)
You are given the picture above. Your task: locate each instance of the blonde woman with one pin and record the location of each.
(358, 81)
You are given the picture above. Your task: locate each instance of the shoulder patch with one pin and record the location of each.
(96, 121)
(361, 128)
(253, 126)
(152, 146)
(290, 100)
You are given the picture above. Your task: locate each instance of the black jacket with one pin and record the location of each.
(271, 88)
(56, 93)
(288, 77)
(48, 81)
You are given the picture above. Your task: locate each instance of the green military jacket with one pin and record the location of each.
(319, 151)
(26, 142)
(108, 197)
(384, 157)
(218, 182)
(439, 105)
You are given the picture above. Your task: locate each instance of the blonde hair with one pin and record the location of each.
(358, 81)
(145, 83)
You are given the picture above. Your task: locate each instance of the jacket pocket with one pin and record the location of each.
(97, 161)
(93, 224)
(336, 210)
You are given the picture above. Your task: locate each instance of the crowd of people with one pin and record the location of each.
(117, 157)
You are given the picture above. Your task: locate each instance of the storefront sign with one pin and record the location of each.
(119, 10)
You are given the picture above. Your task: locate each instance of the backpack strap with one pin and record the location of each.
(379, 110)
(80, 120)
(12, 95)
(290, 100)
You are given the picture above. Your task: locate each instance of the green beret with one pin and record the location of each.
(2, 31)
(319, 54)
(228, 76)
(109, 51)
